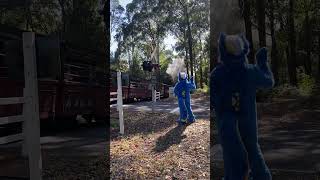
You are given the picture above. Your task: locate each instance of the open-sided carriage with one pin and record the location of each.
(71, 81)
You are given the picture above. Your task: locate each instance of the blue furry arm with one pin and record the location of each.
(262, 73)
(214, 98)
(222, 47)
(175, 90)
(246, 49)
(191, 84)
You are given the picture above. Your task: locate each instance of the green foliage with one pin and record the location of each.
(42, 17)
(306, 87)
(284, 91)
(84, 25)
(119, 65)
(136, 70)
(116, 15)
(306, 83)
(145, 24)
(204, 90)
(114, 123)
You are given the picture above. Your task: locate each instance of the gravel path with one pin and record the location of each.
(199, 103)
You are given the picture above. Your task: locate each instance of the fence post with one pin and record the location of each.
(31, 107)
(153, 97)
(119, 102)
(24, 115)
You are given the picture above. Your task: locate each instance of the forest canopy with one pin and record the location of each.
(78, 22)
(290, 29)
(143, 25)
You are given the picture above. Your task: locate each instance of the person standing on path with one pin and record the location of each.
(233, 85)
(182, 91)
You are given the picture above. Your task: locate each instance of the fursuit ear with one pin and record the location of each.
(246, 49)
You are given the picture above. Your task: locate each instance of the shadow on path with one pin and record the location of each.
(174, 136)
(143, 123)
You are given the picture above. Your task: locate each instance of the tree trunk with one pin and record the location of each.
(63, 12)
(213, 48)
(206, 71)
(200, 63)
(288, 62)
(28, 18)
(308, 45)
(187, 61)
(196, 78)
(282, 69)
(319, 55)
(186, 53)
(274, 52)
(292, 46)
(260, 9)
(248, 27)
(189, 41)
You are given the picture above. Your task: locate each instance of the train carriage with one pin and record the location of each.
(138, 90)
(71, 81)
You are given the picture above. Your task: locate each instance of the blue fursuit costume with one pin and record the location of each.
(182, 91)
(233, 85)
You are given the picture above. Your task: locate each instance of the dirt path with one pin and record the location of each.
(154, 147)
(199, 102)
(78, 153)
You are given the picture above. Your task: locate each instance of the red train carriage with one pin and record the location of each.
(136, 90)
(70, 81)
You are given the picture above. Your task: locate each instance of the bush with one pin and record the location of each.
(306, 83)
(282, 91)
(205, 89)
(285, 90)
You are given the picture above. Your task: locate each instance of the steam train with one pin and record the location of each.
(71, 81)
(135, 90)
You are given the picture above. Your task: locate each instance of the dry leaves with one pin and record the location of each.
(154, 147)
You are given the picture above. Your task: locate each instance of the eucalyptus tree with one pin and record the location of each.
(148, 23)
(178, 28)
(306, 14)
(189, 19)
(116, 14)
(85, 26)
(261, 14)
(274, 52)
(245, 6)
(200, 24)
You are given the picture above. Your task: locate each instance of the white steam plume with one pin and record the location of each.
(175, 67)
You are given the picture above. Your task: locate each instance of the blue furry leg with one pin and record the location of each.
(249, 135)
(234, 155)
(191, 117)
(183, 111)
